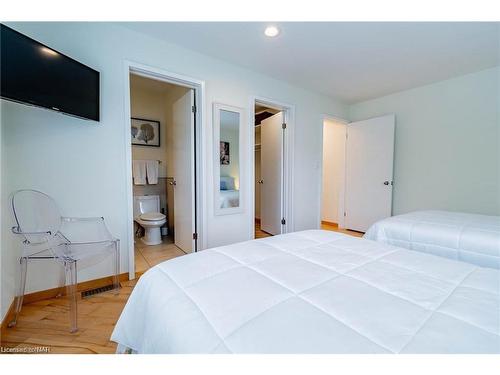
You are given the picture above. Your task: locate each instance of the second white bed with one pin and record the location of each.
(467, 237)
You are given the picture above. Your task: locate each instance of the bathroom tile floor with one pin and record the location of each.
(149, 256)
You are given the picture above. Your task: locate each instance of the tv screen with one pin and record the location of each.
(35, 74)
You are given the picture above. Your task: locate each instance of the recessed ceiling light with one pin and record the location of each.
(48, 51)
(271, 31)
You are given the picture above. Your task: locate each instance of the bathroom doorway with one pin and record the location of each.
(163, 169)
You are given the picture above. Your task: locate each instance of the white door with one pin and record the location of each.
(369, 168)
(183, 171)
(271, 174)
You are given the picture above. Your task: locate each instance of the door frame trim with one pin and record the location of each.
(200, 162)
(341, 220)
(288, 161)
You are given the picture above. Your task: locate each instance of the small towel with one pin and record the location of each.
(152, 171)
(139, 172)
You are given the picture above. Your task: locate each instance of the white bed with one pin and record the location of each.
(460, 236)
(312, 292)
(229, 198)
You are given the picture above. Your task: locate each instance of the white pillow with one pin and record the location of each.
(229, 182)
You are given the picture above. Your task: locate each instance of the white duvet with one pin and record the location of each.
(229, 198)
(460, 236)
(312, 292)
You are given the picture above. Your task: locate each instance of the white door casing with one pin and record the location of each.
(130, 67)
(183, 171)
(271, 210)
(369, 171)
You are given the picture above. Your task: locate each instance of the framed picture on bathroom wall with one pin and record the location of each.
(145, 132)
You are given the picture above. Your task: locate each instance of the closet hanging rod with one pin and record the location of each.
(158, 160)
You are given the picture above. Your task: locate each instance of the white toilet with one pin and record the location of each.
(147, 214)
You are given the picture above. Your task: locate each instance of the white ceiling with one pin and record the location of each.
(348, 61)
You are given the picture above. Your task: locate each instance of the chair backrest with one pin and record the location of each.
(35, 211)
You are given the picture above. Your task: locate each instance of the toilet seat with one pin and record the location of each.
(152, 216)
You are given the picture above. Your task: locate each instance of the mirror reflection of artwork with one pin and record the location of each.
(227, 131)
(224, 153)
(145, 132)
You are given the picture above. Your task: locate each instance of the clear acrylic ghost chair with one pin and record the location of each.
(46, 234)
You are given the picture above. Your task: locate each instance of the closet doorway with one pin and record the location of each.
(271, 169)
(164, 152)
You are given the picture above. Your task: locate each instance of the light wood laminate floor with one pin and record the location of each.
(259, 233)
(335, 228)
(45, 323)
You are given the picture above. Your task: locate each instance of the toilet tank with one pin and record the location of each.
(146, 203)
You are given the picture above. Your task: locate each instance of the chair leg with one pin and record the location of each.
(71, 285)
(23, 262)
(62, 282)
(116, 276)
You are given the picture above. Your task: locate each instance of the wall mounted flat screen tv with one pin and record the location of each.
(34, 74)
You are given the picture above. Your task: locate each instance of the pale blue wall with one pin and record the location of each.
(447, 141)
(82, 164)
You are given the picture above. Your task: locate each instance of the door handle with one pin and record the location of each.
(388, 183)
(173, 183)
(260, 181)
